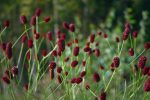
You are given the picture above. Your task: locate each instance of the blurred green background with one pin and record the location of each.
(89, 15)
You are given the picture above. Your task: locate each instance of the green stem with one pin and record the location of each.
(110, 80)
(137, 57)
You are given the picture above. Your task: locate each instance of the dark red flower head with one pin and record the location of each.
(3, 46)
(73, 80)
(105, 35)
(96, 77)
(145, 70)
(33, 21)
(23, 19)
(117, 39)
(38, 12)
(97, 52)
(72, 27)
(92, 38)
(142, 61)
(24, 38)
(83, 63)
(74, 63)
(52, 65)
(26, 87)
(78, 80)
(83, 73)
(44, 53)
(66, 25)
(103, 96)
(135, 33)
(87, 86)
(116, 61)
(99, 33)
(66, 59)
(9, 50)
(14, 70)
(59, 79)
(54, 53)
(147, 45)
(147, 85)
(36, 36)
(49, 36)
(61, 45)
(30, 43)
(131, 52)
(47, 19)
(6, 23)
(59, 70)
(6, 79)
(76, 51)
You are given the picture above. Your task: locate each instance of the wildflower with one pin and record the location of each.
(117, 39)
(105, 35)
(44, 53)
(3, 46)
(30, 43)
(52, 65)
(83, 73)
(97, 52)
(74, 63)
(6, 23)
(26, 86)
(87, 86)
(103, 96)
(24, 38)
(99, 33)
(14, 70)
(6, 79)
(23, 19)
(54, 53)
(59, 79)
(36, 36)
(72, 27)
(147, 85)
(96, 77)
(142, 61)
(61, 45)
(9, 50)
(59, 70)
(47, 19)
(33, 21)
(92, 37)
(147, 45)
(116, 61)
(66, 59)
(76, 51)
(66, 25)
(131, 52)
(66, 73)
(38, 12)
(145, 70)
(73, 80)
(83, 63)
(135, 33)
(78, 80)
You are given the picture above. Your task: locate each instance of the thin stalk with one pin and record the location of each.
(110, 80)
(137, 57)
(121, 48)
